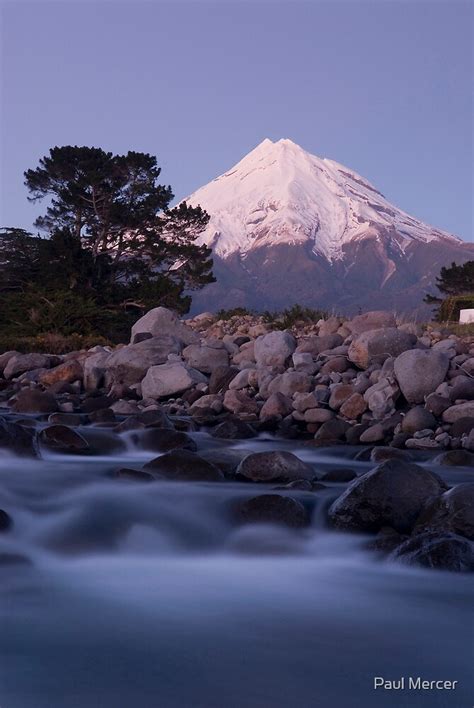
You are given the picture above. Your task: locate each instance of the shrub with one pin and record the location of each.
(450, 307)
(234, 312)
(51, 343)
(291, 316)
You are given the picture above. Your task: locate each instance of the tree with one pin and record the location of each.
(453, 282)
(112, 240)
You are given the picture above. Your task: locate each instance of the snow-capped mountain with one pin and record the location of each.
(287, 226)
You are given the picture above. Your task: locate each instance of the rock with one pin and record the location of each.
(376, 433)
(335, 364)
(304, 362)
(274, 466)
(420, 372)
(31, 400)
(221, 378)
(162, 440)
(133, 475)
(380, 454)
(16, 438)
(274, 349)
(128, 365)
(103, 415)
(459, 411)
(67, 372)
(316, 345)
(94, 369)
(5, 358)
(103, 442)
(72, 420)
(455, 458)
(421, 444)
(276, 406)
(339, 394)
(377, 319)
(94, 403)
(273, 509)
(353, 407)
(20, 363)
(233, 429)
(239, 403)
(378, 344)
(332, 431)
(418, 418)
(303, 401)
(205, 359)
(393, 494)
(463, 389)
(318, 415)
(339, 475)
(183, 466)
(212, 402)
(63, 439)
(453, 511)
(5, 521)
(161, 322)
(445, 551)
(167, 380)
(289, 383)
(436, 404)
(382, 397)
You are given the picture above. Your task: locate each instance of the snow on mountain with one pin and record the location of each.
(281, 194)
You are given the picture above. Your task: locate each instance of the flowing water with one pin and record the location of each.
(150, 596)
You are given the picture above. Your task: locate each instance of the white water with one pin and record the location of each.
(150, 596)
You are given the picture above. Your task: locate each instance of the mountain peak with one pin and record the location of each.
(281, 194)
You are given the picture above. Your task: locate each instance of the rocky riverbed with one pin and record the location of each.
(220, 514)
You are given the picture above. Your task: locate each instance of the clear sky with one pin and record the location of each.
(382, 87)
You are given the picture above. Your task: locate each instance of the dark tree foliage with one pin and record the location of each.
(452, 282)
(112, 241)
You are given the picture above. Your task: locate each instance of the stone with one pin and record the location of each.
(161, 322)
(63, 439)
(290, 383)
(276, 406)
(133, 475)
(337, 364)
(421, 444)
(205, 359)
(5, 358)
(238, 402)
(436, 404)
(274, 349)
(458, 412)
(331, 432)
(339, 475)
(162, 440)
(380, 454)
(353, 407)
(303, 401)
(420, 372)
(462, 389)
(381, 397)
(418, 418)
(452, 511)
(66, 372)
(339, 394)
(376, 433)
(393, 494)
(304, 362)
(31, 400)
(376, 319)
(376, 345)
(273, 509)
(20, 363)
(94, 369)
(128, 365)
(17, 438)
(277, 465)
(165, 380)
(221, 377)
(183, 466)
(455, 458)
(318, 415)
(315, 345)
(445, 551)
(210, 401)
(233, 429)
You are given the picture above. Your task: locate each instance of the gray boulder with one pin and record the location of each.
(459, 411)
(376, 345)
(419, 372)
(453, 511)
(20, 363)
(205, 358)
(445, 551)
(418, 418)
(393, 494)
(161, 322)
(377, 319)
(273, 349)
(170, 379)
(128, 365)
(271, 466)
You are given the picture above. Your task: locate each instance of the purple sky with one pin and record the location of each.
(382, 87)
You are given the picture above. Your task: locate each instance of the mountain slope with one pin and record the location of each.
(288, 227)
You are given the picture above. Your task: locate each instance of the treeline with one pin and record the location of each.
(110, 247)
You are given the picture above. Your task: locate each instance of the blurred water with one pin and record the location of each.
(150, 596)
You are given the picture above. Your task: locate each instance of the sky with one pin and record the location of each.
(382, 87)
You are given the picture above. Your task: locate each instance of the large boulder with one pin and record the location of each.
(205, 358)
(128, 365)
(458, 412)
(20, 363)
(239, 403)
(419, 372)
(273, 509)
(61, 438)
(16, 438)
(274, 349)
(393, 494)
(67, 372)
(453, 511)
(315, 345)
(289, 383)
(376, 345)
(94, 369)
(377, 319)
(161, 322)
(382, 397)
(272, 466)
(170, 379)
(445, 551)
(31, 400)
(183, 466)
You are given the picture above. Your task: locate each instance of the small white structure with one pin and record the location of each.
(466, 316)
